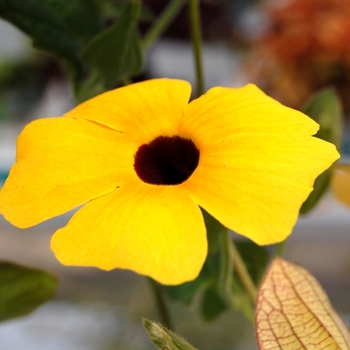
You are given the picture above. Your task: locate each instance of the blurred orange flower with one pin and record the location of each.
(304, 48)
(309, 29)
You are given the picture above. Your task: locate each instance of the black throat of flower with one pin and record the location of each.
(166, 160)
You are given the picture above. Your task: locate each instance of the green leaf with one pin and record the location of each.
(116, 52)
(113, 9)
(321, 185)
(55, 26)
(42, 24)
(326, 109)
(214, 231)
(207, 282)
(186, 292)
(83, 18)
(165, 339)
(212, 304)
(23, 289)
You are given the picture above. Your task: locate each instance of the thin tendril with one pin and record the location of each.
(243, 274)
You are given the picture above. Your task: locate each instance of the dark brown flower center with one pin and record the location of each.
(166, 160)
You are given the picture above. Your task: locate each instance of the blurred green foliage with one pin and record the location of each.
(116, 52)
(325, 108)
(23, 289)
(78, 33)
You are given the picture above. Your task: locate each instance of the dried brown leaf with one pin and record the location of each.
(293, 312)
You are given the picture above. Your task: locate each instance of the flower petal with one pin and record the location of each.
(142, 111)
(156, 231)
(255, 183)
(61, 164)
(225, 111)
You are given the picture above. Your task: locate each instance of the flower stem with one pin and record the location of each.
(226, 269)
(161, 304)
(243, 274)
(162, 23)
(126, 81)
(279, 248)
(197, 43)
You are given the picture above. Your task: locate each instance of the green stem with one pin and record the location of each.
(197, 43)
(243, 274)
(226, 269)
(161, 304)
(279, 248)
(162, 23)
(126, 81)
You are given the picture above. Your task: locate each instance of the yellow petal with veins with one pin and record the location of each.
(227, 111)
(152, 230)
(258, 161)
(141, 111)
(61, 164)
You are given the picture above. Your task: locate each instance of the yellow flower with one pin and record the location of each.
(142, 160)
